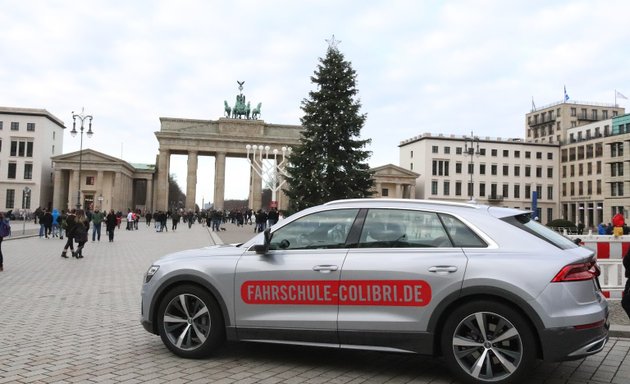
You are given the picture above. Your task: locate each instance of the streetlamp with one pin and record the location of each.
(27, 196)
(81, 117)
(259, 156)
(471, 147)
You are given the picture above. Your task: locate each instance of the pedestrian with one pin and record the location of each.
(618, 222)
(97, 219)
(5, 230)
(129, 220)
(110, 225)
(148, 216)
(174, 220)
(46, 221)
(55, 223)
(70, 224)
(625, 300)
(190, 217)
(580, 228)
(39, 215)
(80, 234)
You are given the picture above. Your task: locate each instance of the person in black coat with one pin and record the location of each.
(110, 224)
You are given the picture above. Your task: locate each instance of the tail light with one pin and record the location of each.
(577, 272)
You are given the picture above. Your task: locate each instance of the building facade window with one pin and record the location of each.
(385, 192)
(458, 167)
(10, 199)
(517, 191)
(15, 126)
(30, 127)
(28, 171)
(434, 149)
(458, 188)
(434, 187)
(89, 180)
(21, 148)
(549, 172)
(517, 171)
(447, 188)
(506, 170)
(440, 167)
(12, 170)
(493, 169)
(550, 192)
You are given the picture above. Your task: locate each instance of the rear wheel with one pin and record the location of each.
(190, 322)
(488, 342)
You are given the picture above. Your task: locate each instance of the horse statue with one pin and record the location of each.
(256, 111)
(240, 108)
(228, 110)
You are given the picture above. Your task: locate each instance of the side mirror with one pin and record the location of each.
(261, 249)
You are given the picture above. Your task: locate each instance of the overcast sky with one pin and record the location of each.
(448, 67)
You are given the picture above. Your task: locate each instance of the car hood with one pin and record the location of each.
(210, 251)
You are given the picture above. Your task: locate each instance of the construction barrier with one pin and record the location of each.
(610, 252)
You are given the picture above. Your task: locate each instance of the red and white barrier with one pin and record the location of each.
(610, 252)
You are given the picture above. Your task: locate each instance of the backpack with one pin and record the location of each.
(5, 228)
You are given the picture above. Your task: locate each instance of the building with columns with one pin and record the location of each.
(105, 182)
(226, 137)
(392, 181)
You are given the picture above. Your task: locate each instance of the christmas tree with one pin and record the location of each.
(330, 163)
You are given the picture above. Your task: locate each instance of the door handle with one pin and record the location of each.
(443, 269)
(325, 268)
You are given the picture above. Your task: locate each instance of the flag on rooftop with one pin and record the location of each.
(621, 95)
(566, 96)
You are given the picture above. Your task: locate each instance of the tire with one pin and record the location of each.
(190, 322)
(502, 351)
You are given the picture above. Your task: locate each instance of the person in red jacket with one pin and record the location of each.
(618, 222)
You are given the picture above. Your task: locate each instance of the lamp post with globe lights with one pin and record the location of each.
(81, 117)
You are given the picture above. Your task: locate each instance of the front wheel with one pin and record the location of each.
(488, 342)
(190, 322)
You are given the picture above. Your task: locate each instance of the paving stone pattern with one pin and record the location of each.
(77, 321)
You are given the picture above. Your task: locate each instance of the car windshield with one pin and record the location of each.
(525, 222)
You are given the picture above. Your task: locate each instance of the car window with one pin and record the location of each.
(327, 229)
(461, 235)
(526, 223)
(398, 228)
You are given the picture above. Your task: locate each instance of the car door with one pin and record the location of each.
(290, 293)
(403, 266)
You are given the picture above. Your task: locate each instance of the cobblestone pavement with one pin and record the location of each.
(77, 321)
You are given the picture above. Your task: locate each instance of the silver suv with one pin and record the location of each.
(487, 288)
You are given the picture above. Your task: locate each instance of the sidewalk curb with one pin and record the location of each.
(619, 331)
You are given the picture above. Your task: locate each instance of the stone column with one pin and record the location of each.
(116, 191)
(148, 203)
(399, 191)
(379, 190)
(99, 191)
(57, 190)
(219, 180)
(412, 191)
(75, 187)
(162, 180)
(256, 190)
(191, 181)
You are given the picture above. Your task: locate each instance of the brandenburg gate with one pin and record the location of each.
(222, 138)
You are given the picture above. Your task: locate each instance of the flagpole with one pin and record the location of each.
(615, 98)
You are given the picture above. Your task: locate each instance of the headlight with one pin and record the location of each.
(152, 270)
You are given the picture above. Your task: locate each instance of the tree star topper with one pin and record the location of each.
(332, 42)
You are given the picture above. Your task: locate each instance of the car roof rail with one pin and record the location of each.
(406, 201)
